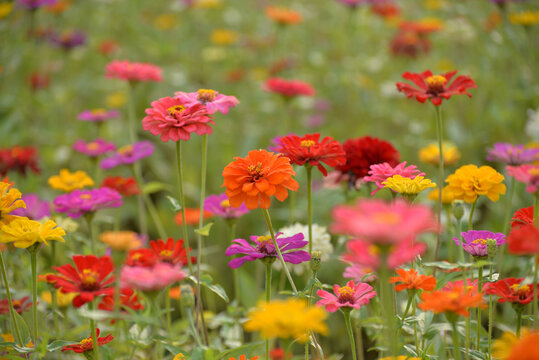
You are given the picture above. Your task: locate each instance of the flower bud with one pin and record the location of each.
(458, 209)
(187, 296)
(492, 248)
(316, 259)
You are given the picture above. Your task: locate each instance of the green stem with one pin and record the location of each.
(519, 322)
(440, 134)
(387, 308)
(182, 204)
(490, 316)
(418, 346)
(279, 254)
(33, 261)
(350, 333)
(479, 286)
(310, 206)
(268, 298)
(167, 306)
(235, 272)
(410, 297)
(534, 286)
(456, 343)
(470, 219)
(91, 233)
(94, 332)
(191, 320)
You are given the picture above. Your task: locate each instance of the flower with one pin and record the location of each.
(121, 240)
(133, 71)
(310, 150)
(20, 306)
(34, 4)
(378, 173)
(174, 119)
(290, 318)
(223, 37)
(39, 81)
(5, 9)
(23, 232)
(409, 43)
(523, 216)
(153, 278)
(107, 47)
(80, 202)
(525, 18)
(128, 300)
(455, 301)
(127, 186)
(264, 248)
(62, 300)
(359, 273)
(524, 240)
(368, 256)
(435, 87)
(407, 186)
(172, 252)
(68, 40)
(386, 9)
(279, 354)
(19, 159)
(87, 344)
(128, 154)
(10, 199)
(363, 152)
(68, 181)
(411, 280)
(510, 290)
(242, 357)
(192, 216)
(94, 148)
(213, 100)
(283, 15)
(528, 174)
(219, 205)
(512, 154)
(470, 181)
(475, 241)
(141, 257)
(92, 278)
(447, 195)
(288, 88)
(36, 208)
(431, 154)
(98, 115)
(349, 296)
(422, 27)
(510, 347)
(253, 179)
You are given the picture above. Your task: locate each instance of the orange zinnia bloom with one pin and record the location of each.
(252, 180)
(456, 300)
(192, 215)
(283, 15)
(411, 280)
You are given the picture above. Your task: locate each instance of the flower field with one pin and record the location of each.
(269, 179)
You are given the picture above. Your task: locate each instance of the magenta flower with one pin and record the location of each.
(175, 120)
(153, 278)
(34, 4)
(378, 173)
(351, 295)
(81, 202)
(94, 148)
(475, 241)
(212, 99)
(512, 154)
(98, 115)
(36, 208)
(528, 174)
(128, 154)
(359, 273)
(68, 39)
(219, 205)
(363, 254)
(133, 71)
(263, 248)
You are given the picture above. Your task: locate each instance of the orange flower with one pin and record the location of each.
(411, 280)
(510, 347)
(456, 301)
(192, 216)
(252, 180)
(283, 15)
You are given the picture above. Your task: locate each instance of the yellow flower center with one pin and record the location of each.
(99, 112)
(307, 143)
(89, 279)
(86, 343)
(126, 150)
(255, 170)
(136, 256)
(436, 80)
(373, 250)
(346, 293)
(176, 110)
(92, 146)
(166, 253)
(480, 241)
(225, 203)
(520, 288)
(386, 218)
(86, 196)
(16, 303)
(265, 239)
(206, 95)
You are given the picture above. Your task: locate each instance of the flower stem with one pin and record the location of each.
(416, 338)
(534, 286)
(470, 219)
(387, 309)
(279, 254)
(490, 316)
(167, 306)
(519, 321)
(94, 331)
(310, 206)
(10, 302)
(350, 333)
(268, 297)
(236, 271)
(182, 204)
(91, 233)
(440, 134)
(33, 261)
(456, 343)
(479, 287)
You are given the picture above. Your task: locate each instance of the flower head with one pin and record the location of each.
(407, 186)
(512, 154)
(23, 232)
(528, 174)
(141, 257)
(128, 154)
(126, 186)
(121, 240)
(98, 115)
(133, 71)
(68, 40)
(68, 181)
(288, 88)
(172, 252)
(128, 300)
(349, 296)
(79, 202)
(447, 195)
(523, 216)
(19, 159)
(378, 173)
(510, 347)
(524, 240)
(511, 290)
(213, 100)
(192, 216)
(152, 278)
(455, 301)
(35, 4)
(36, 208)
(93, 148)
(411, 280)
(243, 357)
(62, 300)
(283, 15)
(87, 344)
(219, 205)
(21, 305)
(431, 154)
(469, 182)
(10, 199)
(475, 241)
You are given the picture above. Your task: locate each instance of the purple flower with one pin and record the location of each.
(512, 154)
(94, 148)
(263, 248)
(128, 154)
(475, 241)
(35, 207)
(68, 39)
(212, 99)
(219, 205)
(34, 4)
(98, 115)
(80, 202)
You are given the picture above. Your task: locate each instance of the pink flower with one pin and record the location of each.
(528, 174)
(175, 120)
(288, 88)
(212, 99)
(133, 71)
(359, 273)
(352, 295)
(364, 254)
(94, 148)
(153, 278)
(378, 173)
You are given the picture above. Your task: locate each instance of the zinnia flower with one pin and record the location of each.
(79, 202)
(133, 71)
(210, 98)
(219, 205)
(253, 179)
(469, 182)
(173, 119)
(510, 290)
(456, 301)
(407, 186)
(87, 344)
(172, 252)
(435, 87)
(98, 115)
(23, 232)
(128, 154)
(192, 216)
(447, 195)
(94, 148)
(378, 173)
(283, 15)
(288, 88)
(351, 296)
(141, 257)
(128, 300)
(524, 240)
(62, 300)
(411, 280)
(121, 240)
(19, 159)
(310, 150)
(512, 154)
(68, 40)
(36, 208)
(431, 154)
(20, 306)
(243, 357)
(68, 181)
(153, 278)
(510, 347)
(528, 174)
(523, 216)
(263, 248)
(126, 186)
(475, 241)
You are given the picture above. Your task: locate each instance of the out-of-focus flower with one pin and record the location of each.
(165, 21)
(407, 186)
(283, 15)
(528, 174)
(133, 71)
(411, 280)
(243, 357)
(172, 252)
(21, 305)
(447, 195)
(87, 344)
(127, 186)
(192, 216)
(36, 208)
(107, 47)
(288, 88)
(510, 347)
(128, 154)
(62, 300)
(213, 100)
(34, 4)
(141, 257)
(469, 182)
(121, 240)
(522, 217)
(68, 40)
(409, 43)
(525, 18)
(23, 232)
(423, 26)
(524, 240)
(94, 148)
(5, 9)
(59, 7)
(435, 87)
(455, 301)
(510, 290)
(431, 154)
(68, 181)
(475, 241)
(98, 115)
(378, 173)
(39, 81)
(359, 273)
(273, 319)
(128, 300)
(223, 37)
(387, 9)
(351, 295)
(153, 278)
(19, 159)
(253, 179)
(78, 203)
(532, 125)
(219, 205)
(512, 154)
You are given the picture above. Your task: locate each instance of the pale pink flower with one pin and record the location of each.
(153, 278)
(351, 295)
(359, 273)
(378, 173)
(528, 174)
(212, 99)
(133, 71)
(368, 255)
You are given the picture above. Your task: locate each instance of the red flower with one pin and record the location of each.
(435, 87)
(141, 257)
(128, 299)
(510, 290)
(409, 43)
(92, 277)
(288, 88)
(366, 151)
(522, 217)
(87, 344)
(126, 186)
(107, 47)
(171, 252)
(308, 149)
(39, 81)
(386, 9)
(18, 158)
(524, 240)
(20, 306)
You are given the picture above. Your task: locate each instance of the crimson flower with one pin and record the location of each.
(522, 216)
(20, 306)
(289, 88)
(510, 290)
(19, 159)
(126, 186)
(128, 299)
(435, 87)
(87, 344)
(141, 257)
(171, 252)
(524, 240)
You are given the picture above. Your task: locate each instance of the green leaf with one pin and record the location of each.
(23, 328)
(204, 231)
(206, 281)
(153, 187)
(174, 203)
(174, 350)
(444, 265)
(481, 263)
(247, 350)
(58, 344)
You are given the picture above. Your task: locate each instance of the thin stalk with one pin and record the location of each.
(268, 298)
(479, 286)
(235, 272)
(309, 300)
(167, 306)
(350, 333)
(456, 343)
(191, 320)
(490, 316)
(279, 254)
(410, 297)
(182, 204)
(519, 322)
(534, 286)
(418, 346)
(440, 134)
(470, 219)
(94, 331)
(387, 309)
(33, 261)
(310, 206)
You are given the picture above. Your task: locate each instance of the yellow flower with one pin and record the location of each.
(62, 300)
(8, 337)
(290, 318)
(165, 21)
(68, 181)
(470, 181)
(526, 18)
(400, 357)
(407, 186)
(23, 232)
(116, 100)
(208, 4)
(121, 240)
(179, 356)
(10, 199)
(431, 155)
(510, 347)
(5, 8)
(223, 37)
(433, 4)
(447, 195)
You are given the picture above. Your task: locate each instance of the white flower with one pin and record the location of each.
(532, 127)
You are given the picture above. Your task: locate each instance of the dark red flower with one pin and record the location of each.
(510, 290)
(18, 158)
(126, 186)
(39, 81)
(107, 47)
(171, 252)
(92, 277)
(524, 240)
(308, 149)
(385, 9)
(363, 152)
(435, 87)
(289, 88)
(128, 300)
(87, 344)
(20, 306)
(522, 216)
(141, 257)
(409, 43)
